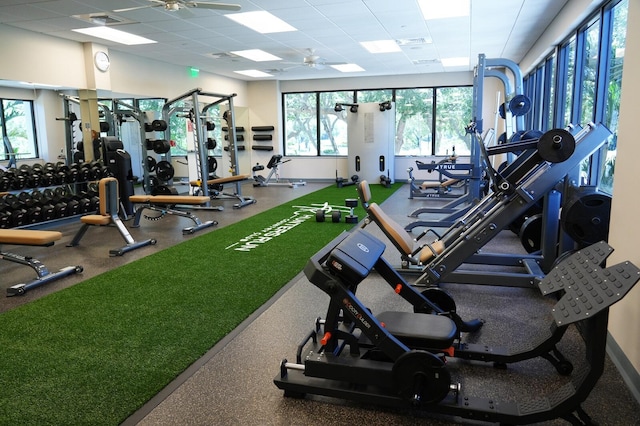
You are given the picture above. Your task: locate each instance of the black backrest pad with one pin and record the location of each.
(355, 257)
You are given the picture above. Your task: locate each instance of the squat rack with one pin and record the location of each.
(200, 132)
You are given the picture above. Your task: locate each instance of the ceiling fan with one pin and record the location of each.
(311, 60)
(175, 5)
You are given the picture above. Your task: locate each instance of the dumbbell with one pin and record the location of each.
(4, 219)
(336, 215)
(385, 181)
(30, 203)
(14, 207)
(352, 203)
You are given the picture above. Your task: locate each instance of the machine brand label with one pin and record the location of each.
(363, 247)
(347, 304)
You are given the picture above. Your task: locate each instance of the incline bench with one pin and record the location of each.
(164, 204)
(26, 237)
(215, 186)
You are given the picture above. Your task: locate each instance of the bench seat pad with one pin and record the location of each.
(28, 237)
(169, 199)
(221, 180)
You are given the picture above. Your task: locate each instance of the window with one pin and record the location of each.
(414, 122)
(333, 124)
(568, 57)
(453, 113)
(364, 96)
(589, 76)
(18, 129)
(586, 83)
(613, 84)
(313, 127)
(548, 102)
(301, 124)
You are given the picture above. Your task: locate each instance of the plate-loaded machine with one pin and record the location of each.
(471, 176)
(398, 359)
(542, 164)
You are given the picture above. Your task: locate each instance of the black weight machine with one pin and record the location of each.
(408, 360)
(531, 177)
(274, 162)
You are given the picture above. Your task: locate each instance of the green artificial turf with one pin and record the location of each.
(96, 352)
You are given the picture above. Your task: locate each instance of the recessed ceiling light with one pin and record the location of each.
(347, 68)
(438, 9)
(253, 73)
(455, 62)
(261, 21)
(256, 55)
(117, 36)
(381, 46)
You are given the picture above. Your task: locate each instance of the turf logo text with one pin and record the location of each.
(267, 234)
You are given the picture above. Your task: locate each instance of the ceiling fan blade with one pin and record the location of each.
(216, 6)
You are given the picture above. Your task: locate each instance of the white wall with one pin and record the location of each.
(40, 59)
(625, 231)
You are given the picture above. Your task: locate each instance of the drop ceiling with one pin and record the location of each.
(329, 29)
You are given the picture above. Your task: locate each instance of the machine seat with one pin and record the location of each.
(420, 331)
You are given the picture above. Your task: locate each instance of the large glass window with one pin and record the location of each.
(589, 72)
(364, 96)
(313, 127)
(414, 122)
(18, 129)
(618, 15)
(569, 66)
(333, 124)
(453, 113)
(549, 91)
(301, 124)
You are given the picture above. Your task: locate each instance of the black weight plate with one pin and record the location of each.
(531, 233)
(519, 105)
(556, 145)
(164, 170)
(423, 373)
(585, 216)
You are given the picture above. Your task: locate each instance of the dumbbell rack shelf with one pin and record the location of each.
(37, 196)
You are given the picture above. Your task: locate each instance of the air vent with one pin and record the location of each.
(413, 41)
(222, 55)
(425, 61)
(103, 19)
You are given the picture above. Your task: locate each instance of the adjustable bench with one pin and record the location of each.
(108, 215)
(215, 186)
(164, 204)
(26, 237)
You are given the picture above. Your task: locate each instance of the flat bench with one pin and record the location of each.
(28, 237)
(165, 204)
(215, 185)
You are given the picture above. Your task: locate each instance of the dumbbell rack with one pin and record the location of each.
(38, 194)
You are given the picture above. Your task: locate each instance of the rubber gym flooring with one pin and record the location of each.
(233, 383)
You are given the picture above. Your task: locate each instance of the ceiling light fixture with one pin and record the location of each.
(116, 36)
(254, 73)
(381, 46)
(347, 68)
(256, 55)
(438, 9)
(261, 21)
